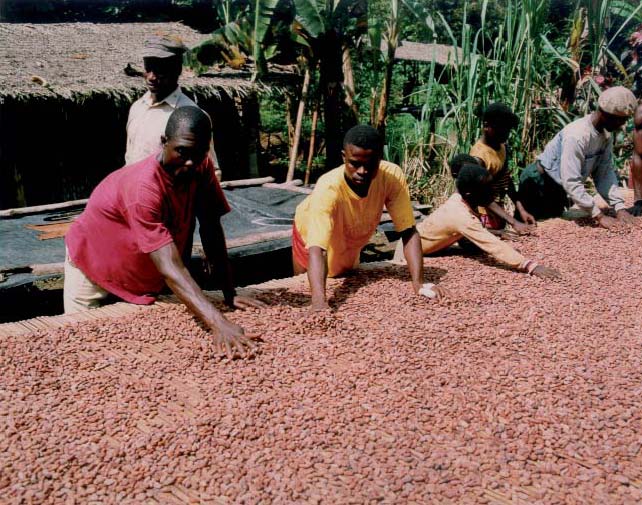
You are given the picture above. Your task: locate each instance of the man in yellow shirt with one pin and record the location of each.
(457, 219)
(332, 225)
(490, 150)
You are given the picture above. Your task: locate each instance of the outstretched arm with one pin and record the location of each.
(414, 256)
(229, 337)
(413, 253)
(317, 276)
(519, 227)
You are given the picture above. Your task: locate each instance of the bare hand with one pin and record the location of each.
(546, 272)
(609, 223)
(521, 228)
(430, 290)
(509, 235)
(230, 338)
(247, 302)
(626, 218)
(441, 291)
(527, 217)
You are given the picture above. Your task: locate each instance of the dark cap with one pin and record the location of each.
(162, 46)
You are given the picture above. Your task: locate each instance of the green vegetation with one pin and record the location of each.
(547, 59)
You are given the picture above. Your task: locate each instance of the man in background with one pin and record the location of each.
(163, 63)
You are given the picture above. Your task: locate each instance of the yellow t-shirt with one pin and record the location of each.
(494, 162)
(341, 222)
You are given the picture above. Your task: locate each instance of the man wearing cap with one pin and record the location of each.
(163, 62)
(584, 148)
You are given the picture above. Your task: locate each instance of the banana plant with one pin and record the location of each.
(325, 29)
(246, 33)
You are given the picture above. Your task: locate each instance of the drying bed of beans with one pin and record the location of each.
(513, 390)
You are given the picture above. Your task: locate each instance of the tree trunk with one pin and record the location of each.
(384, 97)
(348, 78)
(252, 119)
(313, 137)
(294, 151)
(392, 41)
(331, 78)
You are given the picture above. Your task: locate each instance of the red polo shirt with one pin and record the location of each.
(134, 211)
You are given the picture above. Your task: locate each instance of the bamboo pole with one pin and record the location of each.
(299, 122)
(313, 138)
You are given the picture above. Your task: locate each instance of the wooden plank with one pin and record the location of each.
(22, 211)
(244, 183)
(119, 309)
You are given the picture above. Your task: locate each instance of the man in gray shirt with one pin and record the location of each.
(583, 149)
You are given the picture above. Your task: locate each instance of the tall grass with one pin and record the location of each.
(514, 64)
(510, 66)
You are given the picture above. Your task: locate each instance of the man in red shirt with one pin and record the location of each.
(130, 239)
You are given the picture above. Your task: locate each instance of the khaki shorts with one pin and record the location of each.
(80, 293)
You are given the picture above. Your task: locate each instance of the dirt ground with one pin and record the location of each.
(512, 390)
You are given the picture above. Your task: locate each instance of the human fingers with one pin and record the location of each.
(252, 303)
(441, 291)
(228, 349)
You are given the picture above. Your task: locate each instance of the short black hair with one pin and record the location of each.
(364, 136)
(500, 114)
(459, 160)
(473, 179)
(190, 118)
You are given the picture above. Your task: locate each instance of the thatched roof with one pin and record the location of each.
(439, 53)
(77, 60)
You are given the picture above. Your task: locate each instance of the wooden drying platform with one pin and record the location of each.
(119, 309)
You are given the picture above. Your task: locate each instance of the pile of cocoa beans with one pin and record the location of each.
(514, 389)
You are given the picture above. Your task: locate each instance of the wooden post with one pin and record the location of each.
(299, 122)
(313, 138)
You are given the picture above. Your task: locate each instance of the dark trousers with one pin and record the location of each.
(540, 194)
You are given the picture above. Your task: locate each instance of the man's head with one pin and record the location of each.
(186, 142)
(615, 106)
(458, 161)
(474, 185)
(362, 153)
(497, 122)
(163, 61)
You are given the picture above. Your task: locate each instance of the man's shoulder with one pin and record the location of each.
(140, 176)
(580, 129)
(140, 102)
(331, 179)
(184, 101)
(391, 170)
(479, 148)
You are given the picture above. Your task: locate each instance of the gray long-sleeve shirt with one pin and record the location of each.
(580, 151)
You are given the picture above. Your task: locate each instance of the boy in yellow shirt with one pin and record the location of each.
(458, 218)
(332, 225)
(490, 150)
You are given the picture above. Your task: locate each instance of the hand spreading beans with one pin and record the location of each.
(513, 389)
